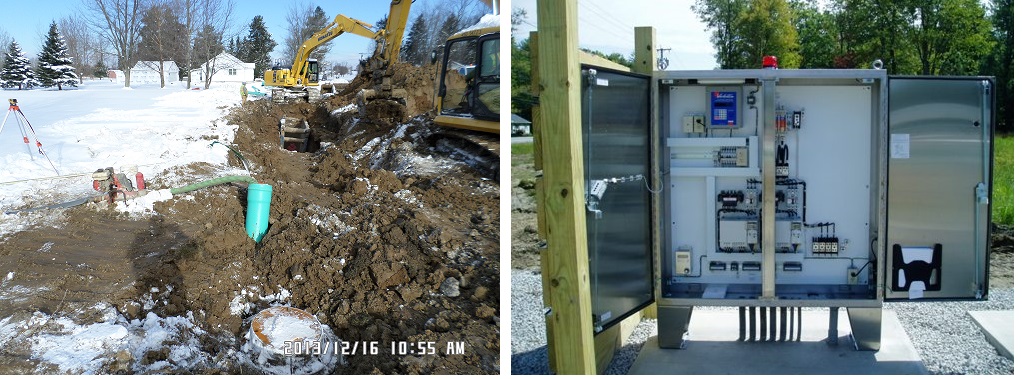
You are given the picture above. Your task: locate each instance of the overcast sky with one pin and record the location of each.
(607, 26)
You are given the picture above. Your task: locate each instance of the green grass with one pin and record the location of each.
(521, 148)
(1004, 181)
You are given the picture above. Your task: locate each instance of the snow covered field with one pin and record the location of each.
(102, 124)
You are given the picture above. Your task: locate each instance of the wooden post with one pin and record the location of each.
(645, 46)
(567, 271)
(537, 155)
(537, 134)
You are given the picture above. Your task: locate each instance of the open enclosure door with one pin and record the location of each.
(939, 204)
(616, 150)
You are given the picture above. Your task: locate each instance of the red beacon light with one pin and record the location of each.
(770, 61)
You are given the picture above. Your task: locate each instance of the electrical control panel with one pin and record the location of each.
(761, 197)
(773, 189)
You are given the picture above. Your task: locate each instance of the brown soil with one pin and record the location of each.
(362, 233)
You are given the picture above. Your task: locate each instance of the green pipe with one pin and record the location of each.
(212, 182)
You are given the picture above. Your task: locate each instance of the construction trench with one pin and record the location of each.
(381, 237)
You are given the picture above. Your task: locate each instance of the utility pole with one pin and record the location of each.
(661, 62)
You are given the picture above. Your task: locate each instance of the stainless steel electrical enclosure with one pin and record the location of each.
(772, 190)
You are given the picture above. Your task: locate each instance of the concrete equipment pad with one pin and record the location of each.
(999, 328)
(712, 348)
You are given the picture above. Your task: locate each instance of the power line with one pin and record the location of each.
(607, 23)
(599, 11)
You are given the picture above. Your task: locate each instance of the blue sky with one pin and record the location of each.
(27, 21)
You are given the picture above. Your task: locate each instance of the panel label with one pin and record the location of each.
(900, 144)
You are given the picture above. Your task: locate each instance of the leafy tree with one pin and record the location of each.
(1001, 63)
(521, 80)
(613, 57)
(765, 28)
(817, 34)
(257, 45)
(521, 70)
(415, 49)
(951, 37)
(721, 17)
(54, 63)
(17, 71)
(875, 29)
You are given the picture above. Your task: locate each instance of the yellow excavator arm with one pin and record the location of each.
(341, 24)
(388, 45)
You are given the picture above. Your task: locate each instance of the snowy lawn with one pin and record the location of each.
(102, 124)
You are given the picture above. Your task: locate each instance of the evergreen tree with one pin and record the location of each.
(414, 51)
(17, 71)
(449, 27)
(54, 63)
(100, 69)
(257, 45)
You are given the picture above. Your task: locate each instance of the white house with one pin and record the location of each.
(148, 72)
(225, 68)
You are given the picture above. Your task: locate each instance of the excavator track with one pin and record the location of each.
(479, 150)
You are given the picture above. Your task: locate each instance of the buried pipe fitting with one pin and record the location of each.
(257, 216)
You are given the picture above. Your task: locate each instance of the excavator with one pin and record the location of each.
(467, 92)
(302, 79)
(467, 101)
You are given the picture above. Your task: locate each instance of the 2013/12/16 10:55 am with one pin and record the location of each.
(370, 347)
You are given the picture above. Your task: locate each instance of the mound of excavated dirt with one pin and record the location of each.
(417, 82)
(373, 233)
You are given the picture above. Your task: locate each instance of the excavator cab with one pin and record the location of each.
(468, 95)
(313, 73)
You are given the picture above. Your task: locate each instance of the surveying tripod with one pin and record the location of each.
(19, 117)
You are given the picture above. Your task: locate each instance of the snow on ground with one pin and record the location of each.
(102, 124)
(94, 348)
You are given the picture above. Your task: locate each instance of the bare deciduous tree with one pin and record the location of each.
(119, 22)
(214, 18)
(188, 10)
(82, 43)
(304, 20)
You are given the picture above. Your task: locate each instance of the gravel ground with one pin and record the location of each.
(946, 338)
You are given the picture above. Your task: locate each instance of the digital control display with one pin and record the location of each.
(724, 109)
